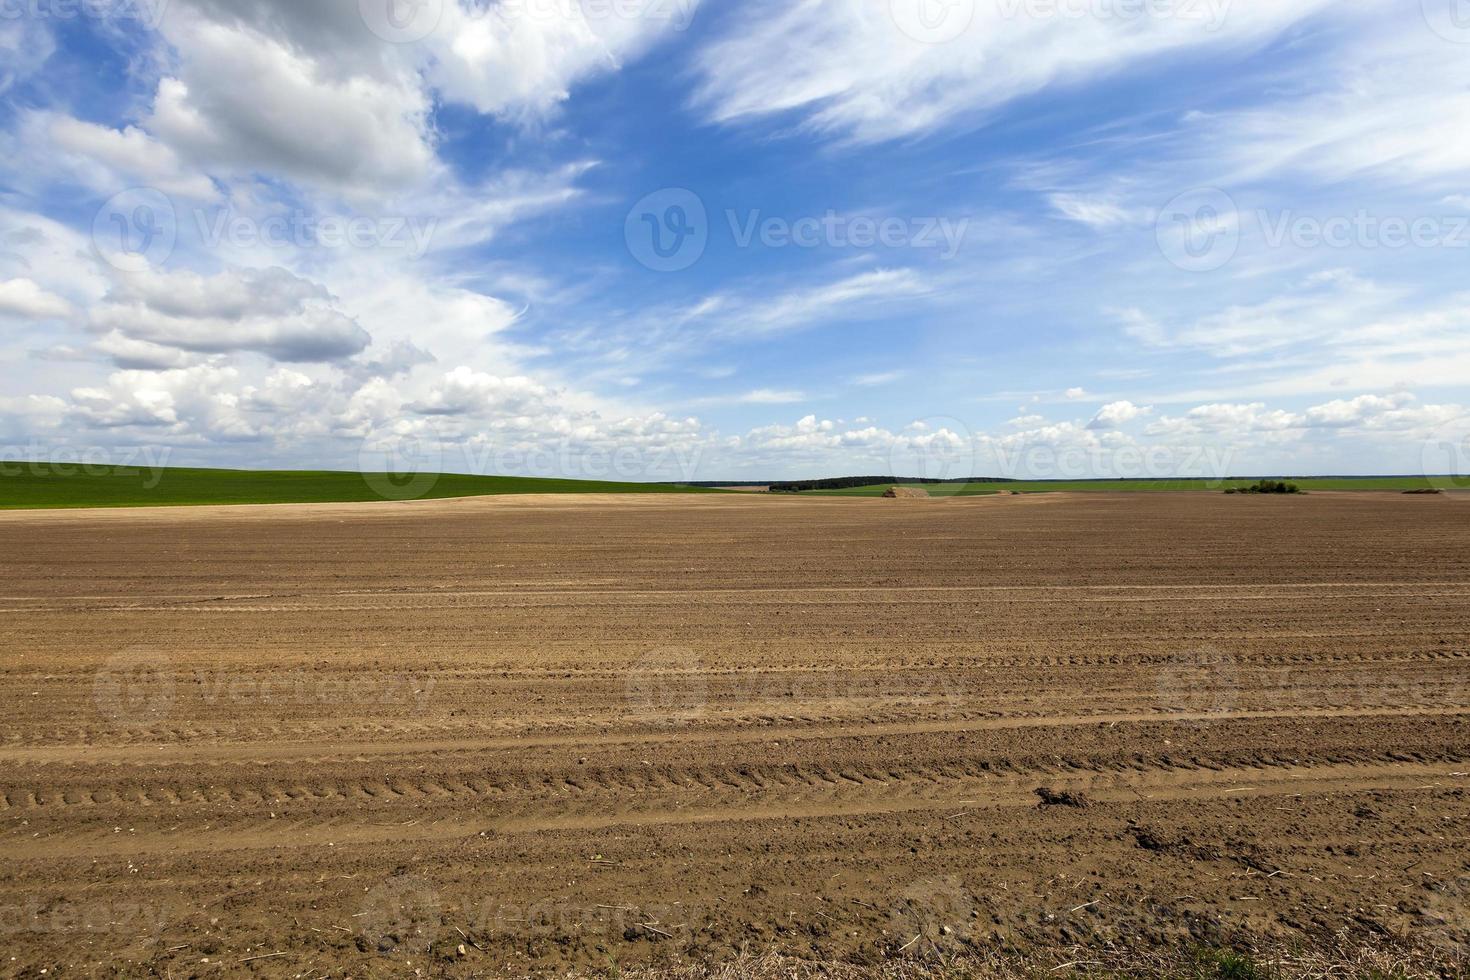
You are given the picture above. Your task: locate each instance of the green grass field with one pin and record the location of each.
(44, 485)
(1386, 483)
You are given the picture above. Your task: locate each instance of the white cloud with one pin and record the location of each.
(194, 400)
(25, 46)
(802, 307)
(811, 436)
(130, 152)
(1233, 419)
(268, 311)
(244, 101)
(464, 391)
(56, 258)
(878, 379)
(1114, 414)
(1096, 212)
(848, 70)
(307, 92)
(1391, 104)
(142, 355)
(1396, 412)
(1375, 411)
(24, 298)
(284, 391)
(522, 59)
(1330, 306)
(1331, 330)
(767, 396)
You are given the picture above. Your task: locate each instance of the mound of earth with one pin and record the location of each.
(906, 493)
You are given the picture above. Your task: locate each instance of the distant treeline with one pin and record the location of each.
(715, 484)
(847, 482)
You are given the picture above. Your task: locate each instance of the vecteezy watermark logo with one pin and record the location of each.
(402, 913)
(1450, 19)
(136, 922)
(1202, 681)
(1446, 915)
(401, 465)
(402, 21)
(135, 686)
(1211, 13)
(1364, 230)
(940, 450)
(136, 229)
(1446, 455)
(149, 13)
(573, 460)
(1199, 231)
(668, 230)
(936, 910)
(833, 230)
(669, 685)
(1019, 459)
(300, 230)
(42, 459)
(250, 691)
(932, 21)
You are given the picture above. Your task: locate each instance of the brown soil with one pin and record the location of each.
(570, 732)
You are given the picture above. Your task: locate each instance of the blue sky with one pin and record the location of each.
(669, 239)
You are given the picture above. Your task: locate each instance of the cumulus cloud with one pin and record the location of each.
(245, 100)
(1394, 412)
(188, 401)
(24, 298)
(522, 59)
(465, 391)
(1225, 418)
(811, 434)
(399, 358)
(129, 152)
(307, 91)
(142, 355)
(1114, 414)
(284, 391)
(267, 311)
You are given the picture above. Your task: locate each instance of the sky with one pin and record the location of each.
(766, 239)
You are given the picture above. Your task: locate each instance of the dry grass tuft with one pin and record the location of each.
(1338, 961)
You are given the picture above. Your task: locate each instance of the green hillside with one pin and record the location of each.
(28, 485)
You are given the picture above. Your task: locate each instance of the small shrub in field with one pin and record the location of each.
(1225, 964)
(1267, 486)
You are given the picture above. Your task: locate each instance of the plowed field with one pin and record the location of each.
(513, 735)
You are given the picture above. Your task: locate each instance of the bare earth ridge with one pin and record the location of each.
(511, 735)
